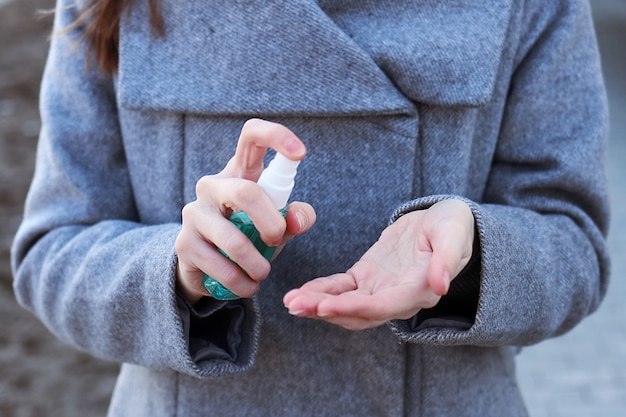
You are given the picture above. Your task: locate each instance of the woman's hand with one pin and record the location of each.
(205, 224)
(408, 269)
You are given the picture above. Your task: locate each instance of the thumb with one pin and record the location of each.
(448, 258)
(451, 238)
(300, 218)
(439, 273)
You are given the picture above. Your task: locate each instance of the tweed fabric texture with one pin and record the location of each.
(400, 104)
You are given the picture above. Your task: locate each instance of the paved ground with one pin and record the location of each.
(583, 374)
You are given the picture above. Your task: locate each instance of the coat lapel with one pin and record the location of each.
(293, 57)
(442, 52)
(241, 57)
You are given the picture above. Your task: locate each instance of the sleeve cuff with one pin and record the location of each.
(219, 331)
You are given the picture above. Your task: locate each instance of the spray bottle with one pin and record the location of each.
(277, 180)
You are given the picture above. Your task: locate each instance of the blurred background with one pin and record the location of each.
(580, 374)
(39, 376)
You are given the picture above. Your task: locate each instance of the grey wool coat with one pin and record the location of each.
(401, 104)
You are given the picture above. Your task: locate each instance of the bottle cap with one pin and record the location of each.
(277, 180)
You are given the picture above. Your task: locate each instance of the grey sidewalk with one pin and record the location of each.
(583, 373)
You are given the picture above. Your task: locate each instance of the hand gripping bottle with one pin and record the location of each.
(277, 180)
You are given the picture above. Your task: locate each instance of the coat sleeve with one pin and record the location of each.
(83, 262)
(542, 224)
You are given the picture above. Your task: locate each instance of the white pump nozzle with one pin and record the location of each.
(277, 180)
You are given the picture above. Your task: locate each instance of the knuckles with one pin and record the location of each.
(227, 192)
(204, 185)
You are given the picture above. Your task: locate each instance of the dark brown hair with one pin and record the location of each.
(101, 22)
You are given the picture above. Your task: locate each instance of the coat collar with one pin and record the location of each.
(443, 52)
(234, 57)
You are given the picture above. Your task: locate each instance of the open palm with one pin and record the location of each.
(408, 269)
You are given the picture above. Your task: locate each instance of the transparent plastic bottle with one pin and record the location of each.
(277, 180)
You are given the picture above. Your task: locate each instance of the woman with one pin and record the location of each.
(454, 160)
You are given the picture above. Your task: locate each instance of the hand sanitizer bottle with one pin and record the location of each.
(277, 180)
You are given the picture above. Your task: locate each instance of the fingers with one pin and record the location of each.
(202, 232)
(306, 300)
(215, 231)
(314, 291)
(256, 137)
(227, 195)
(335, 299)
(206, 225)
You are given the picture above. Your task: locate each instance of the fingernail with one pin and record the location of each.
(446, 283)
(296, 312)
(302, 220)
(295, 146)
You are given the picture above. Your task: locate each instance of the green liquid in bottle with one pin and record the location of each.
(243, 222)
